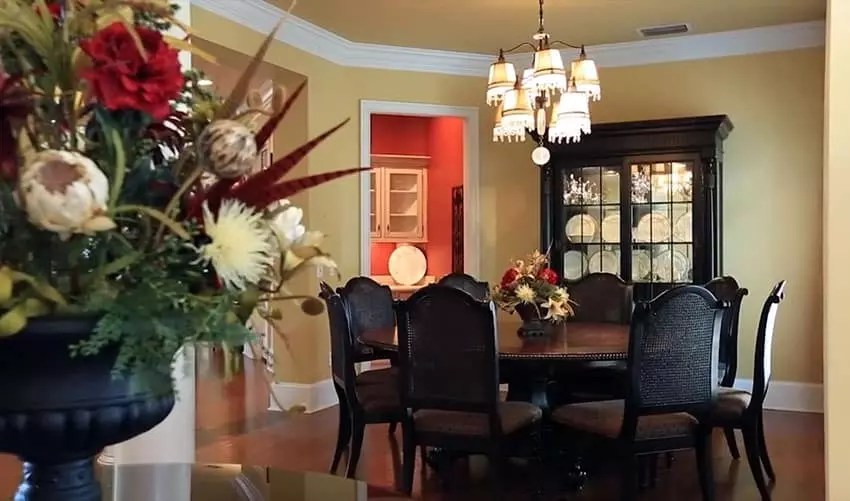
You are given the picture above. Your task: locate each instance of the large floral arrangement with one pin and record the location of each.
(131, 194)
(531, 282)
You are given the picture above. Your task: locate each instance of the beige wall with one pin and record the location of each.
(836, 179)
(773, 183)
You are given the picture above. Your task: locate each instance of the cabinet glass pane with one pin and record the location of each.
(403, 201)
(662, 222)
(591, 213)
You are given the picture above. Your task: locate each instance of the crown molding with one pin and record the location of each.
(261, 16)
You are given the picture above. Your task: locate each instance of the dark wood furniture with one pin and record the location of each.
(579, 342)
(457, 229)
(450, 382)
(462, 281)
(601, 297)
(743, 410)
(727, 289)
(669, 397)
(530, 365)
(369, 398)
(369, 305)
(639, 199)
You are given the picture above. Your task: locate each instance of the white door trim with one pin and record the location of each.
(471, 184)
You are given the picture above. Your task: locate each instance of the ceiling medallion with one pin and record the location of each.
(543, 99)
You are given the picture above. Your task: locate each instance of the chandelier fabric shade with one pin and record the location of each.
(502, 79)
(548, 73)
(516, 110)
(571, 117)
(506, 134)
(585, 76)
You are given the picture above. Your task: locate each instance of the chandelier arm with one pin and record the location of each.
(565, 44)
(517, 47)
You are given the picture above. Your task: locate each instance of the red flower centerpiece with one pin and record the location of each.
(531, 289)
(122, 78)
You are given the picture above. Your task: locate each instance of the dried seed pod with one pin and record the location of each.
(278, 98)
(227, 149)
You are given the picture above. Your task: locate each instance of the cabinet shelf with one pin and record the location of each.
(399, 198)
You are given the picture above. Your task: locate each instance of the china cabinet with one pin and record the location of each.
(399, 198)
(642, 200)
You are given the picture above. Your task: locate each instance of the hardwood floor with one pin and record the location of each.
(233, 426)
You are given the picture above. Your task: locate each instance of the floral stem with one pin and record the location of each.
(120, 168)
(166, 221)
(175, 200)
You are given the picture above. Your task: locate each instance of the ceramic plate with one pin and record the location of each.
(581, 228)
(683, 228)
(641, 265)
(671, 267)
(653, 227)
(407, 265)
(611, 228)
(574, 265)
(604, 262)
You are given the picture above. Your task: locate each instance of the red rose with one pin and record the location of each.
(122, 79)
(548, 275)
(509, 277)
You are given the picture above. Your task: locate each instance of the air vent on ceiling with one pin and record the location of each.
(668, 29)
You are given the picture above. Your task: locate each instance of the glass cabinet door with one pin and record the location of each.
(374, 204)
(403, 201)
(592, 222)
(662, 222)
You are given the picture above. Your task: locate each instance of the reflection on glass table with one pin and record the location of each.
(187, 482)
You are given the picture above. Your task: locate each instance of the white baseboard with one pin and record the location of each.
(313, 397)
(789, 395)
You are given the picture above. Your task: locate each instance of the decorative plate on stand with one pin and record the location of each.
(407, 265)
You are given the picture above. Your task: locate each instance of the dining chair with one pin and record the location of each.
(450, 383)
(601, 297)
(598, 298)
(727, 289)
(672, 367)
(362, 400)
(744, 410)
(370, 306)
(477, 289)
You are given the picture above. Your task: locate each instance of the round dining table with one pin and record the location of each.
(528, 363)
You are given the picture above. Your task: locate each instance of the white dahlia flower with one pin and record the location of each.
(241, 244)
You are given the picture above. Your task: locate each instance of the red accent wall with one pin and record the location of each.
(441, 138)
(445, 171)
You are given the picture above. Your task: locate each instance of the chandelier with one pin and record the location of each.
(543, 98)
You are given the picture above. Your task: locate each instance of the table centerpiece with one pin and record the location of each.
(530, 288)
(133, 221)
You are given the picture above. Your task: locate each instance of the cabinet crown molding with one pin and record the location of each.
(401, 161)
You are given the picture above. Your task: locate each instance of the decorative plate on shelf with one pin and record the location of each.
(671, 266)
(641, 265)
(653, 227)
(407, 265)
(604, 262)
(683, 228)
(575, 263)
(611, 228)
(581, 228)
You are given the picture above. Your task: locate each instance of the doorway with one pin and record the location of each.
(422, 192)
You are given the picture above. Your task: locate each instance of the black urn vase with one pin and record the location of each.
(58, 412)
(532, 323)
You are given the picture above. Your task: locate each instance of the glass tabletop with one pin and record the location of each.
(584, 341)
(222, 482)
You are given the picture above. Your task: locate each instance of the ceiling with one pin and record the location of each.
(483, 26)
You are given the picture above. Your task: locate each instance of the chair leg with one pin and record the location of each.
(652, 473)
(670, 458)
(751, 434)
(356, 445)
(732, 443)
(343, 435)
(629, 469)
(408, 458)
(765, 459)
(494, 467)
(704, 466)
